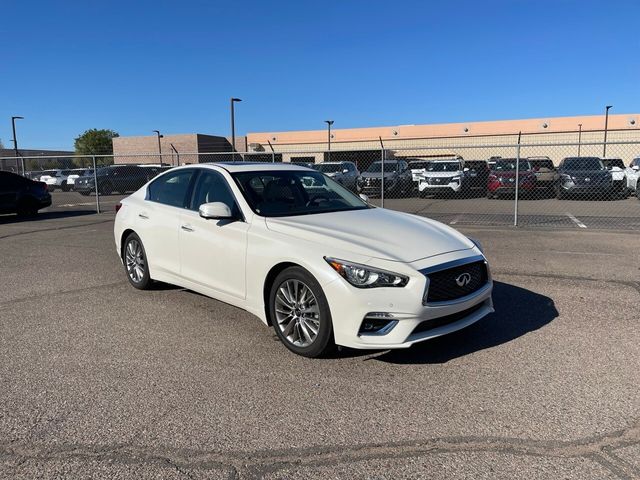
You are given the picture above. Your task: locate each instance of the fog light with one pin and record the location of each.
(377, 323)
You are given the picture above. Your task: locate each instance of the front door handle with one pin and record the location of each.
(144, 216)
(187, 228)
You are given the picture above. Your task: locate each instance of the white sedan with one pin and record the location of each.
(303, 254)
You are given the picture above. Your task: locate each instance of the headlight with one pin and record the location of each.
(362, 276)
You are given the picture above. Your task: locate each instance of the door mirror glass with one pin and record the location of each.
(364, 198)
(215, 211)
(636, 167)
(346, 170)
(465, 169)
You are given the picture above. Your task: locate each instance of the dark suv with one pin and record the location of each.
(21, 195)
(116, 179)
(583, 175)
(397, 178)
(476, 175)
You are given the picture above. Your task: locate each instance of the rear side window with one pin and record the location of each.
(171, 189)
(10, 180)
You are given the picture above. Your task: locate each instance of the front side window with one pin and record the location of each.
(212, 187)
(171, 189)
(286, 193)
(376, 167)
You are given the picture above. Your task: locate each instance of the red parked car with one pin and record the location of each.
(502, 179)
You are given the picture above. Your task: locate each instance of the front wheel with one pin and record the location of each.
(135, 262)
(300, 313)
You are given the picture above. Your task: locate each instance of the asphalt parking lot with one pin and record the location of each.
(576, 213)
(100, 380)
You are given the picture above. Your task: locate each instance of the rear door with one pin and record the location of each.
(10, 186)
(158, 219)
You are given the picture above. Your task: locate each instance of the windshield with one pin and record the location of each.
(329, 167)
(418, 165)
(541, 164)
(509, 165)
(51, 173)
(377, 167)
(443, 167)
(583, 163)
(613, 162)
(280, 193)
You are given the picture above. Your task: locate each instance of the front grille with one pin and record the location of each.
(456, 282)
(447, 319)
(439, 180)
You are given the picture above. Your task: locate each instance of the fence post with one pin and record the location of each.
(382, 155)
(515, 213)
(95, 181)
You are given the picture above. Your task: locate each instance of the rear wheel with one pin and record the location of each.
(135, 262)
(27, 208)
(300, 313)
(106, 189)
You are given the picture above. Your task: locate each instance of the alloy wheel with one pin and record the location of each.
(134, 260)
(297, 313)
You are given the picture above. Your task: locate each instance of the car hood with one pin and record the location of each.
(586, 173)
(442, 174)
(392, 173)
(374, 232)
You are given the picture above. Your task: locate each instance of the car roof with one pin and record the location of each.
(234, 167)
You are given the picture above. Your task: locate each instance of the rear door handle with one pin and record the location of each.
(143, 215)
(187, 228)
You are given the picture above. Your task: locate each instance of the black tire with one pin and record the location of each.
(84, 193)
(135, 262)
(559, 193)
(27, 208)
(490, 195)
(105, 189)
(638, 191)
(65, 187)
(323, 343)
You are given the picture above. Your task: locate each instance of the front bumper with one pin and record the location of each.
(453, 186)
(350, 305)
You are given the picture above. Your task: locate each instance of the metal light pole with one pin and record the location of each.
(177, 155)
(233, 125)
(329, 123)
(579, 137)
(15, 141)
(159, 145)
(606, 124)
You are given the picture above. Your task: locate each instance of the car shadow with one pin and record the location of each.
(13, 218)
(518, 312)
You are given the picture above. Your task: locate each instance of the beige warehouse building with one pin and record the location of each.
(556, 137)
(553, 137)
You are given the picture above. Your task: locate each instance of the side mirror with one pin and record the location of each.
(465, 169)
(346, 170)
(364, 198)
(215, 211)
(635, 167)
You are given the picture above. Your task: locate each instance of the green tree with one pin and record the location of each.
(95, 142)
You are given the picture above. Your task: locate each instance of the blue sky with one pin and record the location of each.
(135, 66)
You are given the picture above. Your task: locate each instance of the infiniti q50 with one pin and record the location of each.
(303, 254)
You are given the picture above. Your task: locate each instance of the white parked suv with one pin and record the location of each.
(633, 175)
(75, 174)
(304, 254)
(442, 175)
(55, 179)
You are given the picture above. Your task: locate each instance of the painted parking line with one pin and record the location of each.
(576, 221)
(455, 220)
(76, 204)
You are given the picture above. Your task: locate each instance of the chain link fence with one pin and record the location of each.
(553, 185)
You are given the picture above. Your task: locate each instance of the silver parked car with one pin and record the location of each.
(345, 173)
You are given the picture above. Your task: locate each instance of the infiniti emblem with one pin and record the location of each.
(463, 279)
